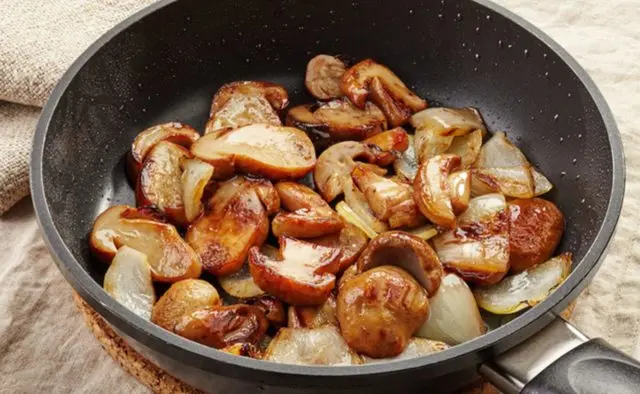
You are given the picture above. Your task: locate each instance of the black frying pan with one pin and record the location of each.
(164, 64)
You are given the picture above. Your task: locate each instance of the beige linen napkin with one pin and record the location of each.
(44, 346)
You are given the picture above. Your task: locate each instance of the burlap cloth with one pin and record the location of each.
(44, 346)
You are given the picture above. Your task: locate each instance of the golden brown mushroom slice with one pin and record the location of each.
(175, 132)
(235, 221)
(392, 142)
(478, 247)
(335, 164)
(244, 103)
(309, 215)
(368, 79)
(274, 310)
(128, 280)
(311, 346)
(337, 120)
(160, 182)
(380, 309)
(406, 251)
(303, 275)
(390, 201)
(222, 326)
(313, 316)
(350, 240)
(274, 152)
(240, 284)
(323, 76)
(170, 257)
(181, 299)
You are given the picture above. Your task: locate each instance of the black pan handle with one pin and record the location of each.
(560, 359)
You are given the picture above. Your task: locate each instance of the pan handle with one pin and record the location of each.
(561, 359)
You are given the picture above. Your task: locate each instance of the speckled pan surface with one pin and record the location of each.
(166, 62)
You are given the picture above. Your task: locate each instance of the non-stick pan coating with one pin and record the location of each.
(166, 67)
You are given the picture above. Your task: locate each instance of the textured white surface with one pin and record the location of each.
(44, 346)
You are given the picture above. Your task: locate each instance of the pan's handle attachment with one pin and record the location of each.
(561, 359)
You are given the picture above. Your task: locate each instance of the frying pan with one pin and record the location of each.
(164, 64)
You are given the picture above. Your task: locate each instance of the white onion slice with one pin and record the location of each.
(348, 215)
(453, 313)
(542, 184)
(525, 289)
(428, 143)
(467, 147)
(360, 206)
(195, 176)
(448, 121)
(311, 346)
(415, 348)
(425, 232)
(128, 280)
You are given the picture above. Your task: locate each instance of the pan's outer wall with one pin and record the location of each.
(164, 63)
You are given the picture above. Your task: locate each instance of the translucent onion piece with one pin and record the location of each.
(525, 289)
(516, 182)
(407, 165)
(360, 206)
(311, 346)
(195, 176)
(500, 152)
(453, 313)
(429, 143)
(467, 147)
(240, 284)
(448, 121)
(128, 280)
(415, 348)
(348, 214)
(542, 184)
(424, 232)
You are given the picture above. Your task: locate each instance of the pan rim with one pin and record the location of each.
(212, 360)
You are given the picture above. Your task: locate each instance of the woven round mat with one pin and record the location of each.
(161, 382)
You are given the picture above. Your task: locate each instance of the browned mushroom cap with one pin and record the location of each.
(275, 152)
(169, 257)
(313, 316)
(235, 221)
(221, 326)
(323, 77)
(309, 215)
(432, 190)
(389, 200)
(386, 90)
(350, 240)
(335, 164)
(181, 299)
(245, 103)
(145, 141)
(379, 311)
(337, 120)
(160, 181)
(405, 251)
(303, 276)
(274, 309)
(392, 142)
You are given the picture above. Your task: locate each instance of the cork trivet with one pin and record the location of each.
(161, 382)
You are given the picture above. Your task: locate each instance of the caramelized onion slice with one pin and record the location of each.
(467, 147)
(454, 316)
(357, 201)
(448, 121)
(525, 289)
(195, 176)
(433, 192)
(349, 216)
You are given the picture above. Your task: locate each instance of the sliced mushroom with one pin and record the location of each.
(528, 288)
(335, 164)
(433, 191)
(311, 346)
(380, 309)
(392, 142)
(170, 258)
(323, 76)
(222, 326)
(244, 103)
(181, 299)
(417, 347)
(160, 181)
(240, 284)
(389, 200)
(535, 230)
(467, 147)
(274, 152)
(128, 280)
(313, 316)
(449, 121)
(350, 240)
(309, 215)
(406, 251)
(274, 310)
(453, 313)
(195, 176)
(478, 248)
(368, 79)
(304, 274)
(406, 165)
(235, 221)
(145, 141)
(337, 120)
